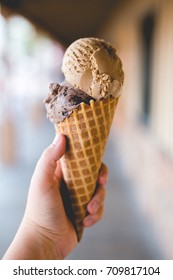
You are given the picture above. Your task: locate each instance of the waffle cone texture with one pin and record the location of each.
(87, 130)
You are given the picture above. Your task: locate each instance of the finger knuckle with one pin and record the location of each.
(47, 152)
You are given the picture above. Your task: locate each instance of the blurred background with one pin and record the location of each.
(138, 220)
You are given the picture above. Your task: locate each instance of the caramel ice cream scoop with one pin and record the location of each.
(92, 65)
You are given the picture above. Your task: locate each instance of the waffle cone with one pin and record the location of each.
(87, 131)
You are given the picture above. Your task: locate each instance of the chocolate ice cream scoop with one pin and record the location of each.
(62, 100)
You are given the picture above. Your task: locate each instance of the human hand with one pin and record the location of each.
(45, 224)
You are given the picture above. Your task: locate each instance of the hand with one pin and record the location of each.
(45, 226)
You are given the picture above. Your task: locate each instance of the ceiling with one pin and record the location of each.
(65, 20)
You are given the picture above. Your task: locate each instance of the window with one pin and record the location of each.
(147, 31)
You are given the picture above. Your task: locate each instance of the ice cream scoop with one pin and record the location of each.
(62, 100)
(92, 70)
(93, 66)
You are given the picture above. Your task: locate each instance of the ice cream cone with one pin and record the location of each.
(87, 130)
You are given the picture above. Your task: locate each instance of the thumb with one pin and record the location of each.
(46, 166)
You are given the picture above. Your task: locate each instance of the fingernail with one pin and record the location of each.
(104, 178)
(88, 221)
(57, 139)
(102, 172)
(94, 205)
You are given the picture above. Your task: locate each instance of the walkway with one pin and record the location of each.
(124, 233)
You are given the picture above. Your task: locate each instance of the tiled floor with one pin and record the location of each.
(123, 233)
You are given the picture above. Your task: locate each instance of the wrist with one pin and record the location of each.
(41, 242)
(31, 243)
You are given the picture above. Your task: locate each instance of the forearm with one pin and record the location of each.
(29, 244)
